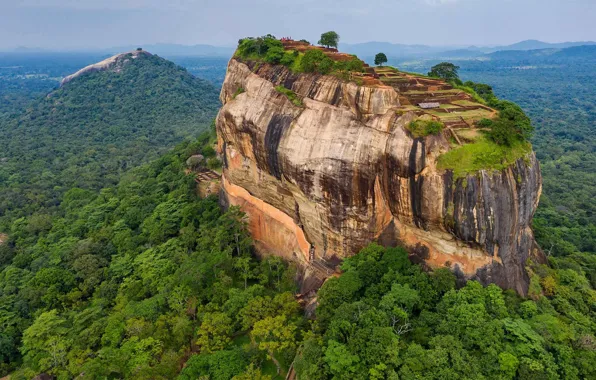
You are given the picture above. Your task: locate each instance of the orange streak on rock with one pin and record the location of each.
(446, 253)
(272, 229)
(383, 214)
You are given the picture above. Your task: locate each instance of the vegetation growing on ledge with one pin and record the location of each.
(503, 140)
(512, 124)
(315, 61)
(470, 91)
(422, 128)
(499, 141)
(291, 95)
(239, 91)
(484, 154)
(446, 71)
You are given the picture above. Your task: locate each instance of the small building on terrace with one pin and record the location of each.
(428, 106)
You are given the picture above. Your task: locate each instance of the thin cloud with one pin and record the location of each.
(440, 2)
(102, 23)
(175, 5)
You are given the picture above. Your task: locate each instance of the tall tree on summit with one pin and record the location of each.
(380, 58)
(329, 39)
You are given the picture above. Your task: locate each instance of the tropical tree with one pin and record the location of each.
(274, 335)
(252, 373)
(329, 39)
(45, 346)
(445, 70)
(242, 265)
(380, 58)
(214, 333)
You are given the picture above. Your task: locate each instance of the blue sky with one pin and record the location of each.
(69, 24)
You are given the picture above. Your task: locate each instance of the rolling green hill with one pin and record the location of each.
(88, 132)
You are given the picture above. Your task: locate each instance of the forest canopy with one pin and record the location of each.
(385, 318)
(134, 280)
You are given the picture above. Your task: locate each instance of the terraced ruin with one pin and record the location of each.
(417, 89)
(438, 100)
(429, 98)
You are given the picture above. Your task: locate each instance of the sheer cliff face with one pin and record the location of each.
(322, 180)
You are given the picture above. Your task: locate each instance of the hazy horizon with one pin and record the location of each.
(101, 49)
(85, 24)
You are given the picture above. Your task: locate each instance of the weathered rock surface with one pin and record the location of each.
(114, 63)
(320, 182)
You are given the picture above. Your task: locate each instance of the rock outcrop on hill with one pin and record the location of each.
(114, 63)
(321, 180)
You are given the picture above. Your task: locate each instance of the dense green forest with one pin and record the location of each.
(114, 267)
(27, 76)
(385, 318)
(134, 280)
(90, 131)
(147, 280)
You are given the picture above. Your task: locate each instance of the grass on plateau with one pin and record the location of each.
(482, 155)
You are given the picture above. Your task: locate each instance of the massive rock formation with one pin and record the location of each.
(322, 179)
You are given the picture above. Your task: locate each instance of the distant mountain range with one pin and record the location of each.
(364, 50)
(158, 49)
(169, 50)
(584, 52)
(535, 44)
(368, 49)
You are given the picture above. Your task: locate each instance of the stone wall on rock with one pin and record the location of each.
(323, 180)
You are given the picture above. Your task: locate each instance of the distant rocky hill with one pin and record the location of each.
(176, 50)
(104, 119)
(115, 63)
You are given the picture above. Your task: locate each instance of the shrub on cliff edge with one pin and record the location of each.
(315, 61)
(259, 46)
(422, 128)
